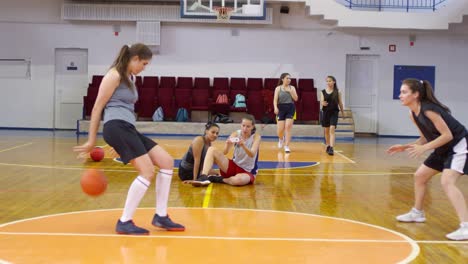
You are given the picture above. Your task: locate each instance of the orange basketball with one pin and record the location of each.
(97, 154)
(93, 182)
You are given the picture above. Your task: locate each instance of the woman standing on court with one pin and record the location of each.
(116, 97)
(242, 168)
(441, 132)
(283, 102)
(331, 103)
(192, 163)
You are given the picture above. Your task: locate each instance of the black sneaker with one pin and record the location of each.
(330, 151)
(166, 223)
(129, 228)
(216, 179)
(201, 181)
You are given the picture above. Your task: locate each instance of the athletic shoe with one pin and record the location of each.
(216, 179)
(166, 223)
(412, 216)
(460, 234)
(129, 228)
(330, 151)
(286, 149)
(280, 142)
(118, 159)
(201, 181)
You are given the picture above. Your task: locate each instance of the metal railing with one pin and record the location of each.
(393, 4)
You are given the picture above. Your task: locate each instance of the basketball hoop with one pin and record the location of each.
(223, 13)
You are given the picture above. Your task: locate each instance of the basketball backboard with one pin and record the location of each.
(223, 9)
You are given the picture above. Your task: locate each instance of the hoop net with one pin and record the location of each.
(223, 13)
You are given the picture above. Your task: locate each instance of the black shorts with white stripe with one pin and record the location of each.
(456, 159)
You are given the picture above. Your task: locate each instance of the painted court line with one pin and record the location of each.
(414, 252)
(261, 174)
(206, 199)
(15, 147)
(59, 168)
(340, 240)
(215, 237)
(346, 158)
(337, 173)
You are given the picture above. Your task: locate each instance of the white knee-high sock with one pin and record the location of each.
(135, 193)
(163, 186)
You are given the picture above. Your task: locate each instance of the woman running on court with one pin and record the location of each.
(283, 102)
(330, 101)
(116, 98)
(442, 133)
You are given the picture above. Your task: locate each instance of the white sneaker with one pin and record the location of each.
(286, 149)
(201, 183)
(280, 143)
(412, 216)
(460, 234)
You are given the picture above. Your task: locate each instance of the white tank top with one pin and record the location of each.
(243, 160)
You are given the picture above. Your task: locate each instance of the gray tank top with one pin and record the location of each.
(284, 97)
(242, 159)
(121, 105)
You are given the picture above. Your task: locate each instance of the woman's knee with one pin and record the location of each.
(166, 162)
(420, 177)
(147, 171)
(447, 181)
(239, 180)
(161, 158)
(211, 151)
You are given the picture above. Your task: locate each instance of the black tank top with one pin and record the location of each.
(332, 100)
(430, 132)
(188, 161)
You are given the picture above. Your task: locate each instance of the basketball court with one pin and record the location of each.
(305, 207)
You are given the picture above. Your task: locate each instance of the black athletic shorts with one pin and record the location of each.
(184, 174)
(286, 111)
(126, 140)
(456, 159)
(329, 118)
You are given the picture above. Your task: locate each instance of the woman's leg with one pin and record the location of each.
(214, 156)
(280, 132)
(421, 177)
(288, 129)
(448, 181)
(239, 179)
(326, 133)
(165, 162)
(331, 137)
(136, 192)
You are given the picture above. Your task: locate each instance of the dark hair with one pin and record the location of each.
(251, 119)
(335, 87)
(425, 90)
(126, 53)
(210, 125)
(283, 75)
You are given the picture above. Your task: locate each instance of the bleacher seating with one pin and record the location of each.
(196, 94)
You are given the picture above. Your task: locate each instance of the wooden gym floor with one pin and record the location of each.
(305, 207)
